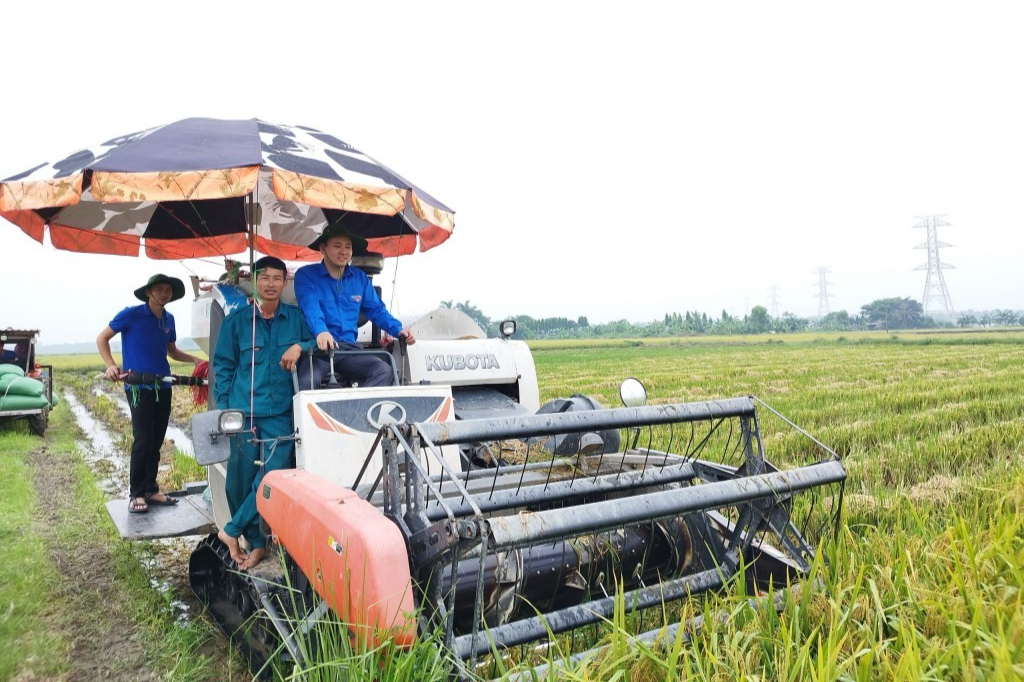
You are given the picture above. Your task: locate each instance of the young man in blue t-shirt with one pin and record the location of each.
(147, 340)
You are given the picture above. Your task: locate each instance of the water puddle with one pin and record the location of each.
(165, 561)
(167, 568)
(99, 450)
(176, 435)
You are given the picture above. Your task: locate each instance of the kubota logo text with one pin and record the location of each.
(446, 363)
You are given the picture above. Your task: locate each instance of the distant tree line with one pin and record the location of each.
(882, 314)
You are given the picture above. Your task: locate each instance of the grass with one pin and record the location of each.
(56, 615)
(27, 579)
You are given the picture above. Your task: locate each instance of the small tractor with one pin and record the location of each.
(27, 392)
(453, 504)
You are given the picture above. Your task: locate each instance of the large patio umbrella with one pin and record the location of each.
(207, 187)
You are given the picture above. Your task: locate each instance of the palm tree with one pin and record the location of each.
(967, 321)
(903, 313)
(1007, 318)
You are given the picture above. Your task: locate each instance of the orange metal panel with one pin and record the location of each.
(354, 557)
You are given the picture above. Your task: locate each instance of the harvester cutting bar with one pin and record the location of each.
(660, 638)
(573, 617)
(477, 430)
(527, 529)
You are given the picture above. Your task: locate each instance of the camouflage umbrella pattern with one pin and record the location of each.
(207, 187)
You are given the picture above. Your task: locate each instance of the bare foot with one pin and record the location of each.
(255, 556)
(237, 555)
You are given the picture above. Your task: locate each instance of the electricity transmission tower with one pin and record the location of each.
(774, 289)
(823, 294)
(936, 295)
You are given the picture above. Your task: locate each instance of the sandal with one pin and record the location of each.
(137, 505)
(168, 501)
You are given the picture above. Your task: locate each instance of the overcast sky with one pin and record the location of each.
(610, 160)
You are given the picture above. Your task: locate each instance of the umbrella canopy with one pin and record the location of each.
(206, 187)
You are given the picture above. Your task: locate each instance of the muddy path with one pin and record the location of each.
(104, 643)
(107, 636)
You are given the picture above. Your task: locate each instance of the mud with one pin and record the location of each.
(103, 644)
(104, 641)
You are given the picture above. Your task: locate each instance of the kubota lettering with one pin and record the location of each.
(447, 363)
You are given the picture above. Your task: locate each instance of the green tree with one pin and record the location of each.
(759, 322)
(967, 321)
(1007, 318)
(894, 313)
(475, 313)
(791, 323)
(836, 321)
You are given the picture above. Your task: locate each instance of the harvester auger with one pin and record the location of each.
(536, 544)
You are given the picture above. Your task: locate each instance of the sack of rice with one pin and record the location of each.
(11, 369)
(22, 402)
(12, 384)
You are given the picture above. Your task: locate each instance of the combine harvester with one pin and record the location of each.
(453, 504)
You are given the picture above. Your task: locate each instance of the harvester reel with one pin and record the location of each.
(558, 535)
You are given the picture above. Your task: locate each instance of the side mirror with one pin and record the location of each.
(632, 393)
(211, 434)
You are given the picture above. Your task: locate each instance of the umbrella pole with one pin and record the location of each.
(250, 219)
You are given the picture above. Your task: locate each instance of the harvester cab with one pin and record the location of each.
(455, 504)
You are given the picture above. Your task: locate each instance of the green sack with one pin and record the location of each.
(11, 369)
(23, 402)
(12, 384)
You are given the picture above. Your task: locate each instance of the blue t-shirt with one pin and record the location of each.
(334, 305)
(144, 339)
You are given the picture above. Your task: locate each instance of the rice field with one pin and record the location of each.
(926, 576)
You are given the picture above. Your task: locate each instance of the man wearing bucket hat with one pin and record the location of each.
(147, 340)
(331, 296)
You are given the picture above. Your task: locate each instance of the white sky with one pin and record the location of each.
(610, 160)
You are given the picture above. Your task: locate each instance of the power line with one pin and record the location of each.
(936, 296)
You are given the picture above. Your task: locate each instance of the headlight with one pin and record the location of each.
(507, 328)
(633, 393)
(230, 421)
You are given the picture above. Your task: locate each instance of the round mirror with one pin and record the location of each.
(633, 393)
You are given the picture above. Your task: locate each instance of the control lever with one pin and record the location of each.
(332, 379)
(403, 346)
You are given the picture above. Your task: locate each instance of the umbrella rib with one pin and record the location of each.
(204, 238)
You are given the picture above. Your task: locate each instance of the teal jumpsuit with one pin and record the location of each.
(248, 377)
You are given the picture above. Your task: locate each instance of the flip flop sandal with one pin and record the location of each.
(136, 507)
(168, 501)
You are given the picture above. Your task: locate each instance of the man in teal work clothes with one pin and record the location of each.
(256, 352)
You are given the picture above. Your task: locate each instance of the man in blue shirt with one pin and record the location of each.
(331, 295)
(256, 352)
(147, 340)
